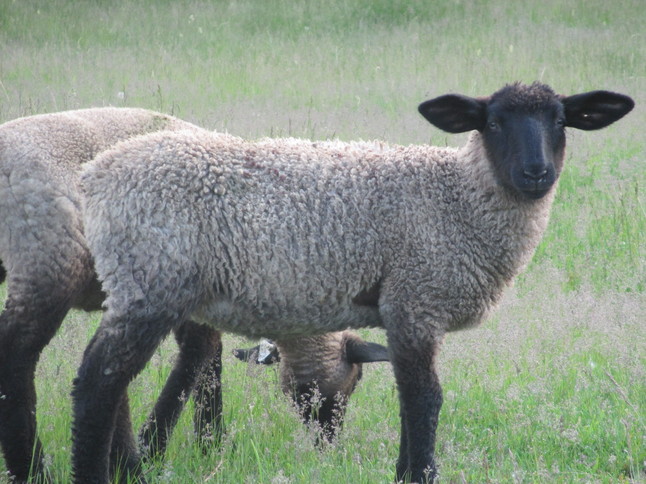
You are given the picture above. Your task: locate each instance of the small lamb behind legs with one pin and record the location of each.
(319, 373)
(283, 238)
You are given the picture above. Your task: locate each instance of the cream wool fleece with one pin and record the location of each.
(41, 231)
(277, 237)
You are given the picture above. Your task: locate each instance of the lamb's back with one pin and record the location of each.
(40, 160)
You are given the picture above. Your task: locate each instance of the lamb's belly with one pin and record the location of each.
(255, 322)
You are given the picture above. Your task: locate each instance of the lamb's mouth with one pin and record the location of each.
(535, 192)
(534, 186)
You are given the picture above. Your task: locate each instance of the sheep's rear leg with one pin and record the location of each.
(420, 397)
(198, 367)
(117, 352)
(125, 460)
(24, 332)
(207, 419)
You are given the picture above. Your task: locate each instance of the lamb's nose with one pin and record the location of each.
(535, 175)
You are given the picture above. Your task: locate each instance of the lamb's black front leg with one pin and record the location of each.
(420, 396)
(402, 460)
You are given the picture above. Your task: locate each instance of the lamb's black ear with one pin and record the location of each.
(455, 113)
(270, 356)
(359, 351)
(595, 109)
(265, 353)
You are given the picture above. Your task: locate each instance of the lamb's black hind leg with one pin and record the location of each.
(24, 332)
(125, 459)
(198, 367)
(119, 350)
(207, 419)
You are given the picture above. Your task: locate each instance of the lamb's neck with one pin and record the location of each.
(306, 355)
(516, 221)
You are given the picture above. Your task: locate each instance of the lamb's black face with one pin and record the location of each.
(526, 146)
(523, 128)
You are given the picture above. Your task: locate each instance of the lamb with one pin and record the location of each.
(319, 373)
(42, 242)
(287, 238)
(45, 259)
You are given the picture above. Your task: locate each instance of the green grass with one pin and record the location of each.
(552, 388)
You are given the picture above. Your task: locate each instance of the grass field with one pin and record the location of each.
(553, 387)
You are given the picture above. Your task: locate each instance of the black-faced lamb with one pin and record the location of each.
(286, 238)
(48, 268)
(319, 372)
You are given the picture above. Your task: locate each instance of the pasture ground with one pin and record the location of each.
(553, 387)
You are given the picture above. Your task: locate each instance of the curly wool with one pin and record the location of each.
(43, 253)
(279, 237)
(41, 230)
(330, 371)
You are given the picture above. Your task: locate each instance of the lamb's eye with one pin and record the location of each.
(560, 122)
(493, 126)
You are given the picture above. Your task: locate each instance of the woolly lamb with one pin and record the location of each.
(49, 269)
(41, 240)
(285, 238)
(320, 373)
